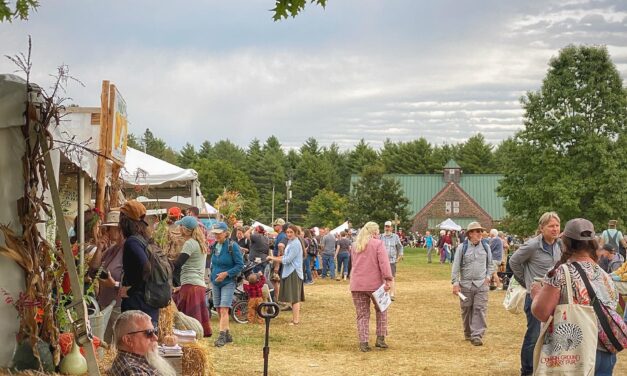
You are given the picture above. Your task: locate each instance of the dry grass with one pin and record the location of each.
(425, 334)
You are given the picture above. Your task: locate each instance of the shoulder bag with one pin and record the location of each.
(614, 334)
(567, 343)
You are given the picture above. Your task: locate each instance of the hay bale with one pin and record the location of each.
(166, 320)
(195, 361)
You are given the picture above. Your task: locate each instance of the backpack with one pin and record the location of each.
(486, 246)
(613, 240)
(312, 250)
(157, 275)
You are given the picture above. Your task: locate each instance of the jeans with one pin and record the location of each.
(342, 259)
(223, 296)
(529, 342)
(328, 264)
(307, 268)
(605, 363)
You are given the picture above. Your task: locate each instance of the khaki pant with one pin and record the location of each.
(474, 310)
(253, 317)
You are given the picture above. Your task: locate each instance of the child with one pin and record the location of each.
(253, 288)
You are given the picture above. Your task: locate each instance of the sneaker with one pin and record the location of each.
(221, 341)
(337, 278)
(309, 283)
(392, 298)
(476, 341)
(364, 347)
(228, 337)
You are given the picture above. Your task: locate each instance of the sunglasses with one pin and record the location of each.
(147, 332)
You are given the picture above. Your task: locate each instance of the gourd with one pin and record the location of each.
(73, 363)
(184, 322)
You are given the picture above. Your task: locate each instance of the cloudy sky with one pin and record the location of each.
(372, 69)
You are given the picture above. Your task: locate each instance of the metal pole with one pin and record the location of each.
(194, 194)
(81, 230)
(272, 222)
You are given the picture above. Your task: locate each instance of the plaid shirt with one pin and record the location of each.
(254, 290)
(128, 364)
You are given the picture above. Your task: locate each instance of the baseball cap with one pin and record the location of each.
(112, 219)
(388, 223)
(278, 222)
(579, 229)
(175, 212)
(135, 210)
(219, 228)
(188, 222)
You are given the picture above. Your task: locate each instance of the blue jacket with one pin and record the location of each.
(230, 261)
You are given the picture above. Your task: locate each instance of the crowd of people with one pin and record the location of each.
(201, 257)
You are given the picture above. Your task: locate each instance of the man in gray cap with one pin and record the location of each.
(472, 269)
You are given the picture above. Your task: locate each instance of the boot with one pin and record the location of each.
(228, 337)
(221, 341)
(364, 347)
(381, 342)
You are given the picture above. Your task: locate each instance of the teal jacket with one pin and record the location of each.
(230, 260)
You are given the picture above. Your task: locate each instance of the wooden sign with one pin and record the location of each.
(119, 126)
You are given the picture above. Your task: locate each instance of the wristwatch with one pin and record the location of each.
(116, 284)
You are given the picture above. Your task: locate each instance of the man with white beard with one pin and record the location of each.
(136, 343)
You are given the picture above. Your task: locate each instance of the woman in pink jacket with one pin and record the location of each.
(370, 269)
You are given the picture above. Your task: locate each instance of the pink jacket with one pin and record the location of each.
(370, 267)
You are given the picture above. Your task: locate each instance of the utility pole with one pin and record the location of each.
(272, 222)
(288, 196)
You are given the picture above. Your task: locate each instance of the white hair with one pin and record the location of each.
(494, 233)
(442, 232)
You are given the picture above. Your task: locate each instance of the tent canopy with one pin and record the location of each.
(143, 169)
(340, 228)
(181, 202)
(265, 227)
(448, 224)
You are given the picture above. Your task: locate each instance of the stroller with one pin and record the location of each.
(239, 306)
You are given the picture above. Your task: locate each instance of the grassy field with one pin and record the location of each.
(425, 334)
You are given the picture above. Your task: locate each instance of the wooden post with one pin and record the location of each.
(84, 336)
(104, 141)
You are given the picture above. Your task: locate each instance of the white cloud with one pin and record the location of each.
(340, 75)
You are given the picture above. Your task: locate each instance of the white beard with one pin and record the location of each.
(161, 365)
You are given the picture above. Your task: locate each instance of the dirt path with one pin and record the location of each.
(425, 335)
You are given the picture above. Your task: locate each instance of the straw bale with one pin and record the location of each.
(166, 321)
(196, 361)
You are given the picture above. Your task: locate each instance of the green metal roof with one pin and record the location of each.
(420, 189)
(452, 164)
(482, 188)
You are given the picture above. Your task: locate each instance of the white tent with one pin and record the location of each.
(265, 227)
(340, 228)
(143, 169)
(448, 224)
(166, 182)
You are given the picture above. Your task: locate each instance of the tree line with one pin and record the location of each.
(570, 156)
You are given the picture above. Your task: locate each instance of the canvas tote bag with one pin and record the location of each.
(514, 301)
(568, 340)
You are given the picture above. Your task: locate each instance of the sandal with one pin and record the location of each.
(292, 323)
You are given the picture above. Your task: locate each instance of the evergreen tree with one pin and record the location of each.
(475, 156)
(187, 156)
(377, 198)
(363, 155)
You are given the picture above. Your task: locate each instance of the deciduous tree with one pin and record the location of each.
(570, 157)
